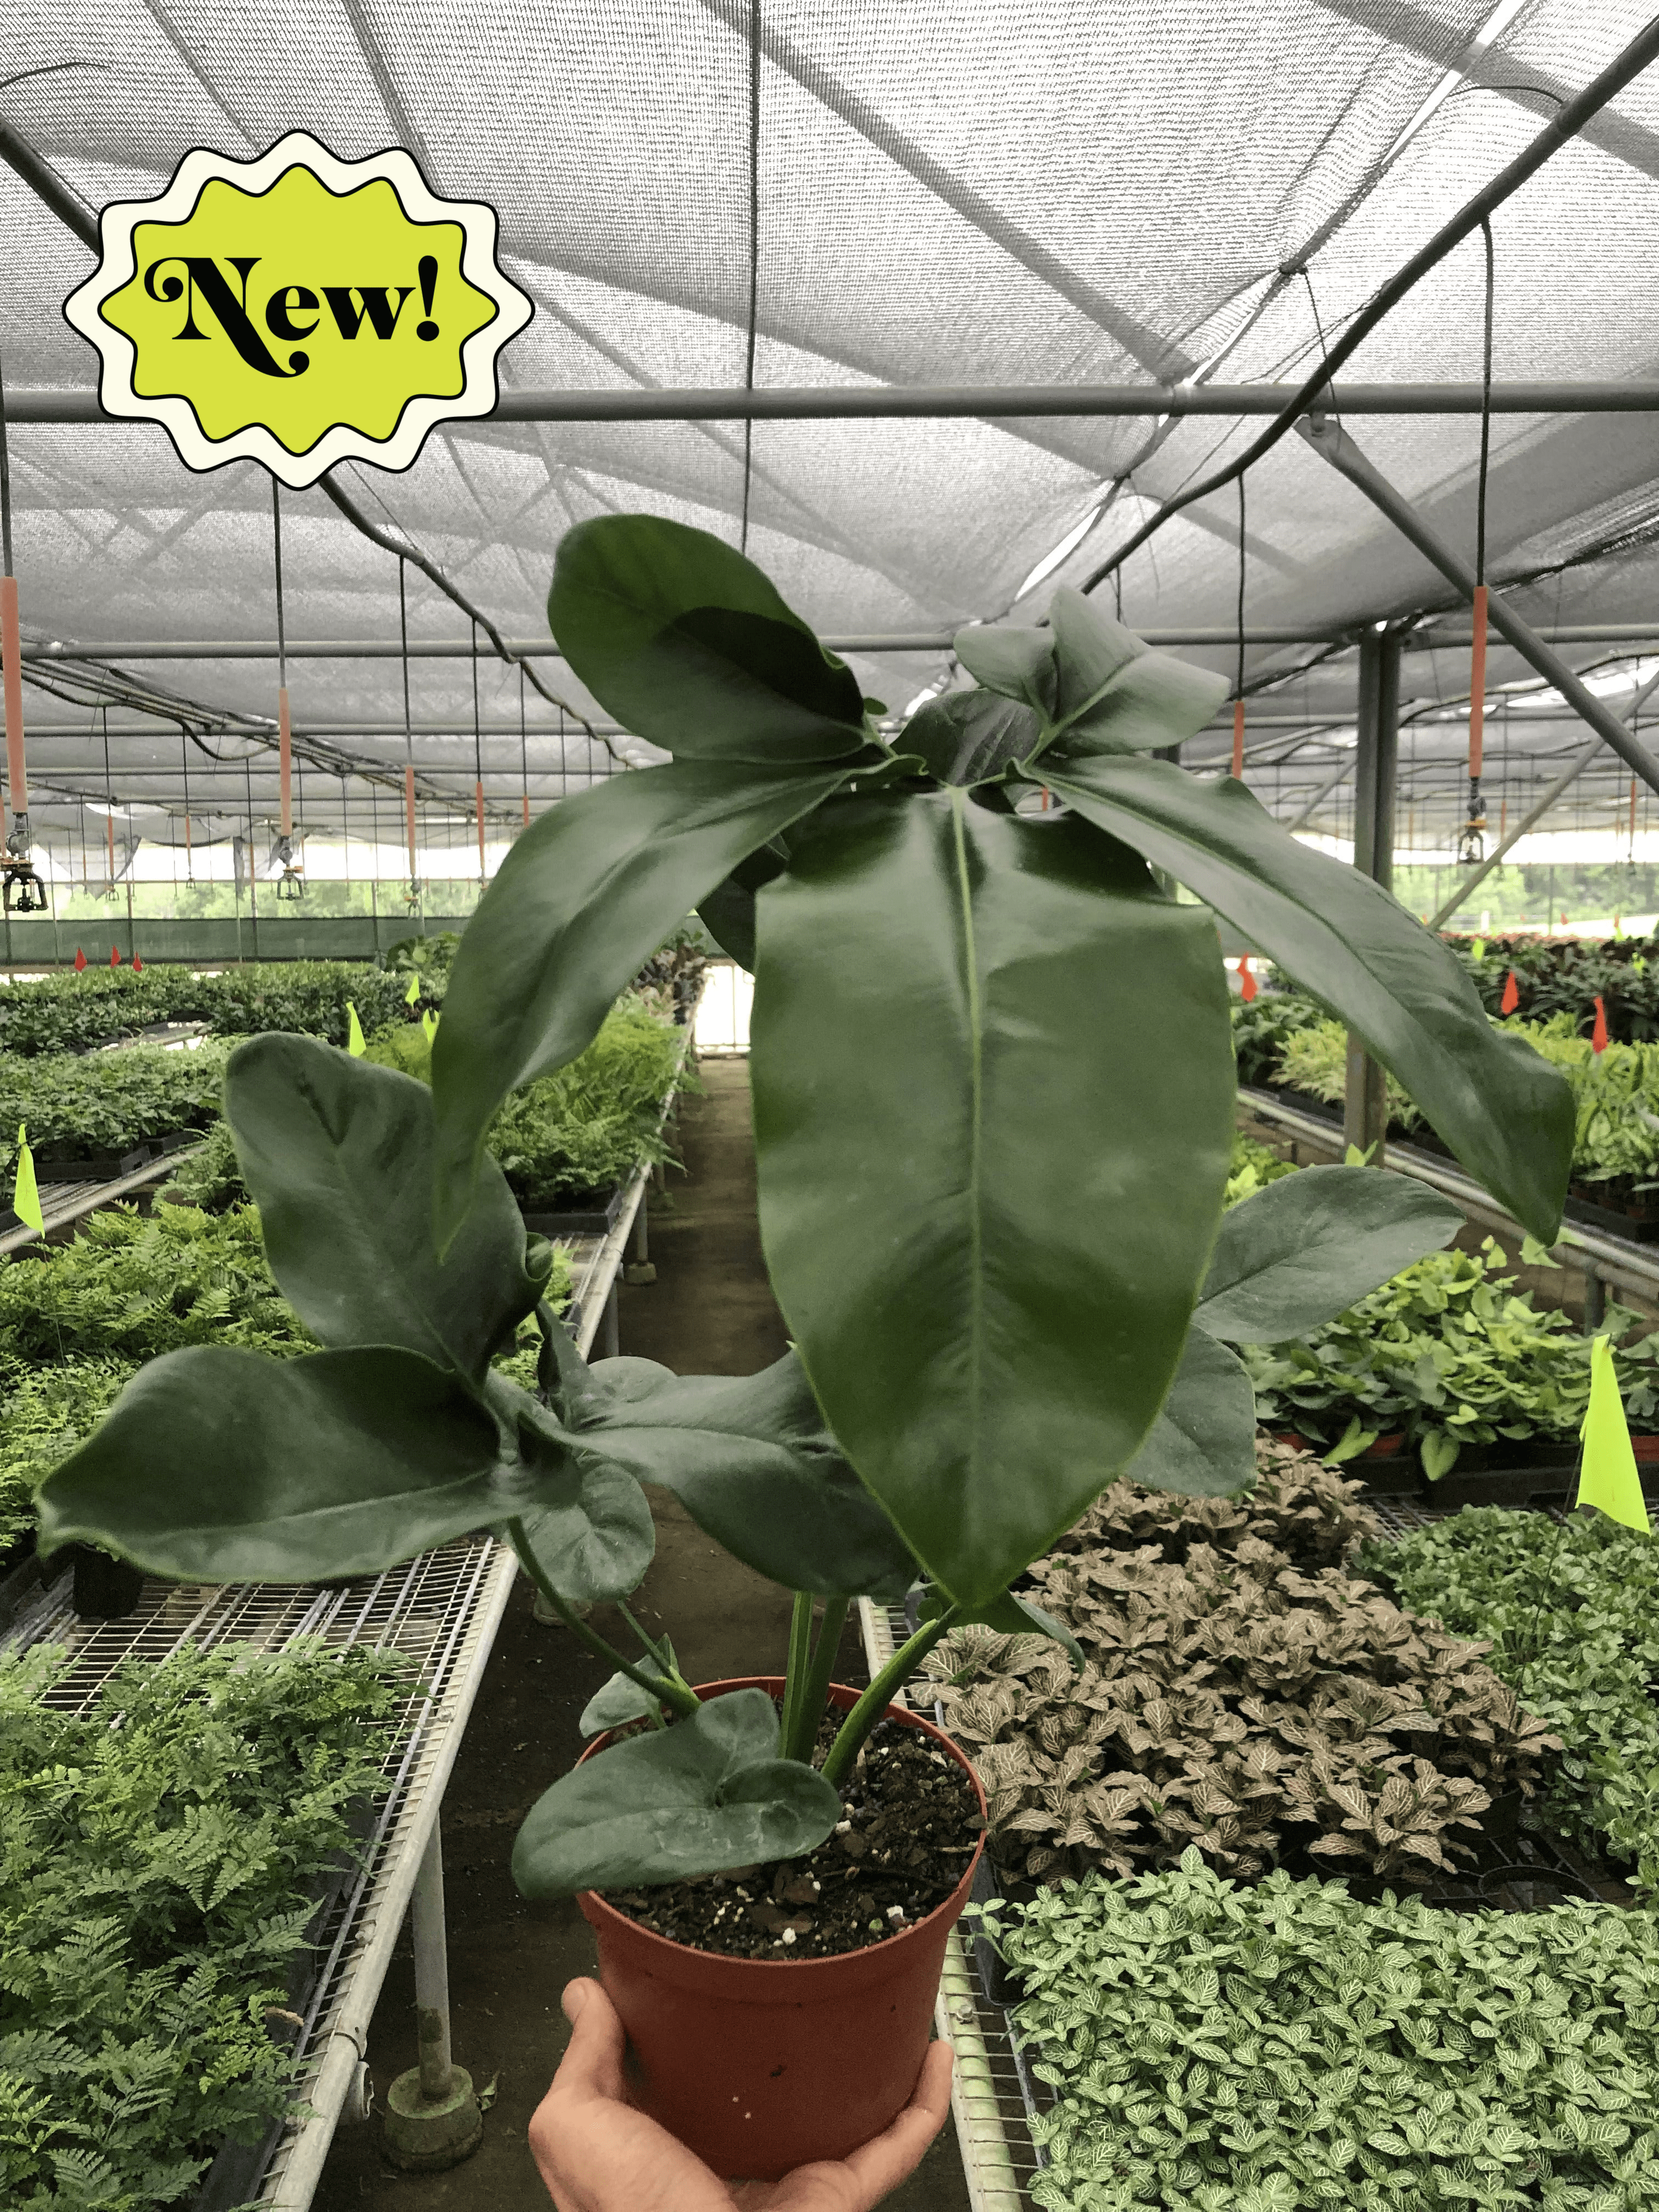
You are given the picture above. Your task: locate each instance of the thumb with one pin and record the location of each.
(592, 2063)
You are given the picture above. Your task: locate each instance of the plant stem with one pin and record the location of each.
(675, 1693)
(815, 1690)
(657, 1650)
(794, 1672)
(876, 1699)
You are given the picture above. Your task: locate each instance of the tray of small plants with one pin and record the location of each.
(1312, 1884)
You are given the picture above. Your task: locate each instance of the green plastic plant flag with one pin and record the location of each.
(1607, 1477)
(1478, 950)
(428, 1026)
(26, 1195)
(355, 1044)
(412, 995)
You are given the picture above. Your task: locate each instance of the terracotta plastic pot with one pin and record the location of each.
(760, 2065)
(1646, 1449)
(1385, 1447)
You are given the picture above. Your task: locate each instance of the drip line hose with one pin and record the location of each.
(1238, 689)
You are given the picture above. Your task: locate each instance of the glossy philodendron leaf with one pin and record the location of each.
(1203, 1442)
(337, 1154)
(1009, 659)
(688, 644)
(1301, 1250)
(727, 912)
(1505, 1112)
(707, 1793)
(582, 899)
(994, 1101)
(224, 1465)
(1114, 694)
(750, 1460)
(619, 1701)
(968, 736)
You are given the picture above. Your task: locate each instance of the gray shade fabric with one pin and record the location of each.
(981, 191)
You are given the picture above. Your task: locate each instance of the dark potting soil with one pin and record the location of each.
(909, 1823)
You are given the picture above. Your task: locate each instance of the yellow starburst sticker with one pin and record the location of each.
(298, 310)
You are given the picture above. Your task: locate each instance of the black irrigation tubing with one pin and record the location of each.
(1642, 49)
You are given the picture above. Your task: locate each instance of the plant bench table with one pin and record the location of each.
(62, 1203)
(443, 1610)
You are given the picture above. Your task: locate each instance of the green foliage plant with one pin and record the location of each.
(1213, 2048)
(45, 1412)
(73, 1011)
(1230, 1699)
(157, 1855)
(1573, 1618)
(79, 1104)
(1450, 1354)
(1262, 1028)
(992, 1073)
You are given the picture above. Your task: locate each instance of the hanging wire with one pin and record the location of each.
(524, 748)
(477, 752)
(184, 763)
(109, 804)
(24, 890)
(754, 257)
(1472, 843)
(413, 893)
(290, 884)
(1238, 689)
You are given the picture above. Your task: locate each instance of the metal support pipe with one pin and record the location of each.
(427, 1929)
(1332, 443)
(1377, 759)
(1535, 813)
(837, 403)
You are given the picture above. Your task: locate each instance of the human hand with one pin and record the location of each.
(596, 2154)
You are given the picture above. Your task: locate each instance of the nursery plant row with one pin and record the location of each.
(1287, 1042)
(1270, 1697)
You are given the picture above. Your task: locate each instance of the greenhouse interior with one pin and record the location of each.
(829, 1107)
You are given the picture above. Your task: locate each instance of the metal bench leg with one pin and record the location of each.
(432, 2121)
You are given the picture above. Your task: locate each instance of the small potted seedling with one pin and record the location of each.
(993, 1096)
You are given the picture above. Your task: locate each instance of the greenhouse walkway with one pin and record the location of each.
(709, 1311)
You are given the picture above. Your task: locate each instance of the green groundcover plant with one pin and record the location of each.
(157, 1855)
(1555, 976)
(1573, 1618)
(995, 1227)
(70, 1012)
(1216, 2049)
(77, 1103)
(1449, 1354)
(1263, 1027)
(45, 1412)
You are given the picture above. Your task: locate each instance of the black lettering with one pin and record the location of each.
(376, 307)
(174, 287)
(279, 312)
(207, 280)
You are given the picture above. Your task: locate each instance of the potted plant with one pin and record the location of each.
(994, 1090)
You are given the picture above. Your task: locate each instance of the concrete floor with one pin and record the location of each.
(710, 1311)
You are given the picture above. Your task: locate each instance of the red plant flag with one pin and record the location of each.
(80, 959)
(137, 965)
(1599, 1034)
(114, 956)
(1511, 998)
(1247, 984)
(1607, 1477)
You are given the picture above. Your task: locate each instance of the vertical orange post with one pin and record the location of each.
(1478, 685)
(526, 810)
(11, 654)
(1238, 740)
(285, 760)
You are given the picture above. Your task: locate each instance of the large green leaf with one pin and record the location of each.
(994, 1101)
(969, 737)
(727, 912)
(750, 1460)
(224, 1465)
(1011, 659)
(1504, 1111)
(1203, 1442)
(584, 897)
(1301, 1250)
(337, 1153)
(1115, 695)
(707, 1793)
(688, 644)
(583, 1520)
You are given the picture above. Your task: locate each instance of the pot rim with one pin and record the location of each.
(592, 1905)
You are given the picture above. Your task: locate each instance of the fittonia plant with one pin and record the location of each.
(993, 1081)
